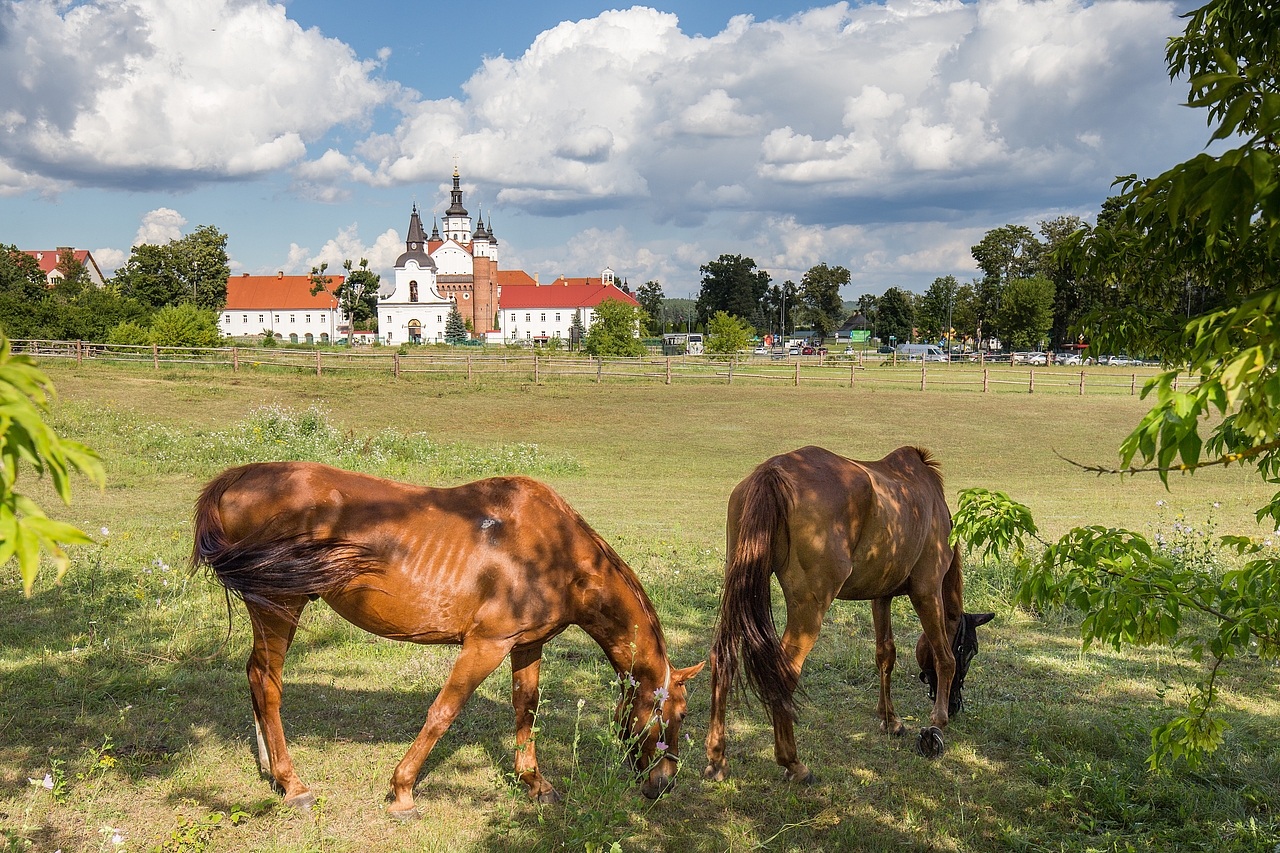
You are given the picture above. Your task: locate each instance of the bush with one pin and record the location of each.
(184, 325)
(130, 333)
(727, 334)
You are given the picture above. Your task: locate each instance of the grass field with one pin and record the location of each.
(114, 684)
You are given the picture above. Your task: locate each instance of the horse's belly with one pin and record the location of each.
(865, 583)
(402, 618)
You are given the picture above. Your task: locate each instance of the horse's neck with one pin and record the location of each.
(626, 628)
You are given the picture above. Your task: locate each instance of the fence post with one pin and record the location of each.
(1082, 383)
(1175, 382)
(1133, 385)
(732, 359)
(599, 367)
(155, 356)
(79, 353)
(982, 357)
(852, 367)
(535, 370)
(317, 362)
(895, 357)
(1031, 380)
(468, 367)
(986, 378)
(235, 359)
(668, 370)
(797, 374)
(923, 369)
(395, 364)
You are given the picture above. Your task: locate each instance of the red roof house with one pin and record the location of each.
(283, 306)
(48, 260)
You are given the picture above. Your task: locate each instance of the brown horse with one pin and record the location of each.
(833, 528)
(498, 566)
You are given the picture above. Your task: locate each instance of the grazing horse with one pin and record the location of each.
(498, 566)
(833, 528)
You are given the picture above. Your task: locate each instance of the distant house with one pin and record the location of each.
(539, 312)
(857, 329)
(48, 260)
(283, 306)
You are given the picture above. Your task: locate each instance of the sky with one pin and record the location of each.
(884, 137)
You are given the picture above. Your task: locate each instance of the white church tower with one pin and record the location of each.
(414, 311)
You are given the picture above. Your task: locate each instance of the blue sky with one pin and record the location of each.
(884, 137)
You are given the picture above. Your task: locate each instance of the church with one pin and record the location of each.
(459, 266)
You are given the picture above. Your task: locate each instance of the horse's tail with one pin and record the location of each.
(746, 623)
(266, 568)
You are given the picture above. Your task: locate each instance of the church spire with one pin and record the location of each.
(455, 197)
(416, 236)
(435, 230)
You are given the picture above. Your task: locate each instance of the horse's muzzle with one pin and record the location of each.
(656, 786)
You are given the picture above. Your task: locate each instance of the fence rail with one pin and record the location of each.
(853, 373)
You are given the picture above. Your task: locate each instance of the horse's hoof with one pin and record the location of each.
(404, 815)
(715, 773)
(897, 730)
(302, 802)
(549, 797)
(929, 742)
(806, 780)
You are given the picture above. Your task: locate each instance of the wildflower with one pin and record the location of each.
(116, 838)
(1216, 504)
(105, 531)
(662, 747)
(1160, 503)
(581, 703)
(661, 695)
(631, 679)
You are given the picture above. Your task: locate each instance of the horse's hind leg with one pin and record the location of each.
(478, 659)
(525, 664)
(886, 657)
(797, 641)
(272, 635)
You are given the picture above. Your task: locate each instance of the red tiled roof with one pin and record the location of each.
(562, 293)
(259, 292)
(506, 277)
(48, 259)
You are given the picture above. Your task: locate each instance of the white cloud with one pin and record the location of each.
(907, 100)
(160, 226)
(144, 93)
(347, 245)
(109, 260)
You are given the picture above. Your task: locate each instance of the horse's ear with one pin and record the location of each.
(680, 676)
(976, 619)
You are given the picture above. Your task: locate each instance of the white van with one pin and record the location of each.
(921, 352)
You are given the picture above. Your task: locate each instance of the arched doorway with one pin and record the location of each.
(293, 338)
(415, 332)
(310, 339)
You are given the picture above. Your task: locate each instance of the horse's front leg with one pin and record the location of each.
(886, 657)
(717, 769)
(933, 620)
(478, 659)
(525, 665)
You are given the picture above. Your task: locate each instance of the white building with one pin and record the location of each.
(540, 312)
(412, 309)
(284, 307)
(49, 260)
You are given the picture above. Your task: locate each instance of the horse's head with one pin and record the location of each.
(654, 727)
(964, 647)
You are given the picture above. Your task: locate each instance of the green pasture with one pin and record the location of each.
(117, 688)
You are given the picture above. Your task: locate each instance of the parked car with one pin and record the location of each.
(807, 351)
(848, 351)
(793, 351)
(760, 351)
(1037, 358)
(1118, 361)
(885, 350)
(1069, 359)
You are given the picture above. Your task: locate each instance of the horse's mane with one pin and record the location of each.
(930, 461)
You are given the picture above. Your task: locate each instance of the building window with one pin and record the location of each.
(310, 339)
(388, 323)
(513, 318)
(293, 338)
(466, 295)
(293, 318)
(226, 318)
(528, 336)
(244, 318)
(543, 318)
(259, 318)
(439, 318)
(277, 317)
(308, 318)
(528, 317)
(557, 317)
(413, 291)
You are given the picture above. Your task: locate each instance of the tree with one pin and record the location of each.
(1005, 253)
(733, 284)
(820, 294)
(779, 298)
(184, 325)
(455, 330)
(936, 306)
(613, 332)
(1214, 220)
(356, 294)
(1026, 313)
(727, 334)
(650, 297)
(193, 269)
(26, 440)
(895, 315)
(576, 332)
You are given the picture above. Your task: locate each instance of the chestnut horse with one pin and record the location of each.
(833, 528)
(498, 566)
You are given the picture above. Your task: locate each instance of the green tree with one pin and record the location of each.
(184, 325)
(455, 330)
(1026, 313)
(1214, 220)
(1004, 254)
(733, 284)
(820, 295)
(780, 299)
(727, 334)
(193, 269)
(650, 297)
(577, 334)
(356, 294)
(936, 308)
(895, 315)
(129, 332)
(26, 440)
(613, 331)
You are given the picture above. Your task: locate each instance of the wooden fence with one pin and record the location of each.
(460, 365)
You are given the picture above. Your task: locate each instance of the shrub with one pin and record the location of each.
(130, 333)
(184, 325)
